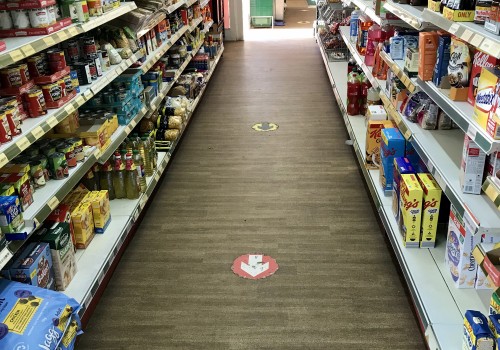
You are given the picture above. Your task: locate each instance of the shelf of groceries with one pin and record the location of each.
(439, 303)
(94, 261)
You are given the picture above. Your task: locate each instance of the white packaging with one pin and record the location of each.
(472, 167)
(482, 282)
(460, 242)
(5, 20)
(20, 19)
(376, 112)
(39, 18)
(493, 164)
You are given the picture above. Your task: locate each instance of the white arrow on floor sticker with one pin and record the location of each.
(255, 266)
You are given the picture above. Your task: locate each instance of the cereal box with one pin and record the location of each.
(100, 209)
(482, 281)
(58, 236)
(494, 304)
(410, 203)
(430, 211)
(459, 245)
(471, 167)
(34, 266)
(486, 113)
(401, 166)
(481, 59)
(493, 164)
(373, 137)
(83, 224)
(392, 145)
(477, 333)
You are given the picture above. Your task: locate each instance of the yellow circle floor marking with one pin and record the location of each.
(265, 126)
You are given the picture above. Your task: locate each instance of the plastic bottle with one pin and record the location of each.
(374, 37)
(119, 176)
(106, 179)
(365, 85)
(351, 65)
(131, 181)
(365, 23)
(353, 93)
(145, 154)
(353, 31)
(139, 165)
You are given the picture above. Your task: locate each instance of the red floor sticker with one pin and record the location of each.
(254, 266)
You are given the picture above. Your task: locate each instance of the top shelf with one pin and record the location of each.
(366, 6)
(22, 47)
(472, 33)
(410, 14)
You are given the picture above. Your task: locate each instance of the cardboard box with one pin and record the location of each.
(373, 138)
(491, 266)
(58, 236)
(392, 145)
(11, 216)
(83, 224)
(402, 165)
(480, 60)
(482, 281)
(427, 49)
(492, 191)
(376, 112)
(471, 167)
(62, 214)
(34, 266)
(442, 59)
(486, 113)
(411, 62)
(411, 210)
(100, 209)
(430, 212)
(459, 245)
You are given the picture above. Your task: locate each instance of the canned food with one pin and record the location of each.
(58, 13)
(95, 8)
(98, 66)
(97, 100)
(20, 19)
(83, 72)
(62, 84)
(74, 80)
(25, 73)
(120, 95)
(52, 92)
(52, 10)
(37, 174)
(36, 102)
(39, 18)
(104, 59)
(92, 69)
(69, 10)
(108, 98)
(78, 149)
(88, 45)
(6, 20)
(67, 150)
(58, 167)
(82, 10)
(69, 84)
(11, 77)
(72, 50)
(38, 66)
(5, 134)
(57, 61)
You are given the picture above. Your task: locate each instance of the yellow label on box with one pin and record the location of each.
(22, 314)
(411, 209)
(434, 5)
(485, 106)
(458, 15)
(430, 211)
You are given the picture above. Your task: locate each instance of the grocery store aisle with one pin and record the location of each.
(295, 194)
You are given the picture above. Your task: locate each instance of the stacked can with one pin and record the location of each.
(42, 17)
(10, 119)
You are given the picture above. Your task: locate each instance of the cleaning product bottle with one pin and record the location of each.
(374, 37)
(353, 30)
(353, 93)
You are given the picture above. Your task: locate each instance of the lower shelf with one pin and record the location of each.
(440, 306)
(94, 262)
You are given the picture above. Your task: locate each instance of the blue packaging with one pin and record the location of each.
(34, 317)
(392, 143)
(476, 332)
(414, 158)
(11, 216)
(443, 58)
(74, 76)
(34, 266)
(397, 48)
(401, 165)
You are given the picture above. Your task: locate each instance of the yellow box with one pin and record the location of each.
(83, 224)
(486, 106)
(434, 6)
(15, 168)
(411, 210)
(492, 191)
(430, 213)
(100, 209)
(459, 15)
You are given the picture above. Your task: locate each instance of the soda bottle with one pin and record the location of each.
(131, 180)
(353, 30)
(351, 65)
(365, 85)
(353, 93)
(139, 164)
(374, 37)
(364, 24)
(119, 176)
(106, 179)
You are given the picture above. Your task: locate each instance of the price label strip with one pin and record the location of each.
(454, 28)
(472, 132)
(49, 41)
(23, 143)
(52, 121)
(466, 35)
(476, 40)
(28, 50)
(16, 55)
(53, 203)
(3, 159)
(38, 132)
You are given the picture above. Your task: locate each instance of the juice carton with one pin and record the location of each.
(471, 167)
(100, 209)
(34, 266)
(459, 245)
(401, 166)
(83, 224)
(411, 210)
(373, 137)
(58, 236)
(392, 145)
(430, 212)
(486, 113)
(477, 333)
(481, 59)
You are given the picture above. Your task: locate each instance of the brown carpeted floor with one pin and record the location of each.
(295, 194)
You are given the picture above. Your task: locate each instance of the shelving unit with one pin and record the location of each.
(410, 14)
(366, 6)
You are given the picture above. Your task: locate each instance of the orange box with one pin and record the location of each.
(427, 52)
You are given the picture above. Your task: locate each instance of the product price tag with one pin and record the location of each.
(97, 153)
(136, 215)
(476, 40)
(454, 28)
(472, 132)
(157, 176)
(53, 203)
(69, 108)
(38, 132)
(80, 100)
(23, 143)
(495, 51)
(466, 35)
(28, 50)
(487, 45)
(112, 75)
(3, 159)
(52, 121)
(72, 31)
(49, 41)
(88, 94)
(96, 87)
(62, 35)
(143, 201)
(16, 55)
(99, 280)
(5, 256)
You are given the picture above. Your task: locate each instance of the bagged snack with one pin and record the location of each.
(459, 64)
(34, 317)
(444, 121)
(429, 116)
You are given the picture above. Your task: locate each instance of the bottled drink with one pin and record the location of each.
(139, 164)
(374, 37)
(145, 151)
(365, 85)
(106, 179)
(119, 176)
(131, 181)
(364, 24)
(351, 65)
(377, 63)
(353, 30)
(353, 93)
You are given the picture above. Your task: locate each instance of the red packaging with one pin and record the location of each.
(62, 84)
(5, 134)
(56, 66)
(13, 118)
(480, 60)
(14, 76)
(52, 92)
(89, 46)
(36, 102)
(56, 55)
(72, 50)
(37, 66)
